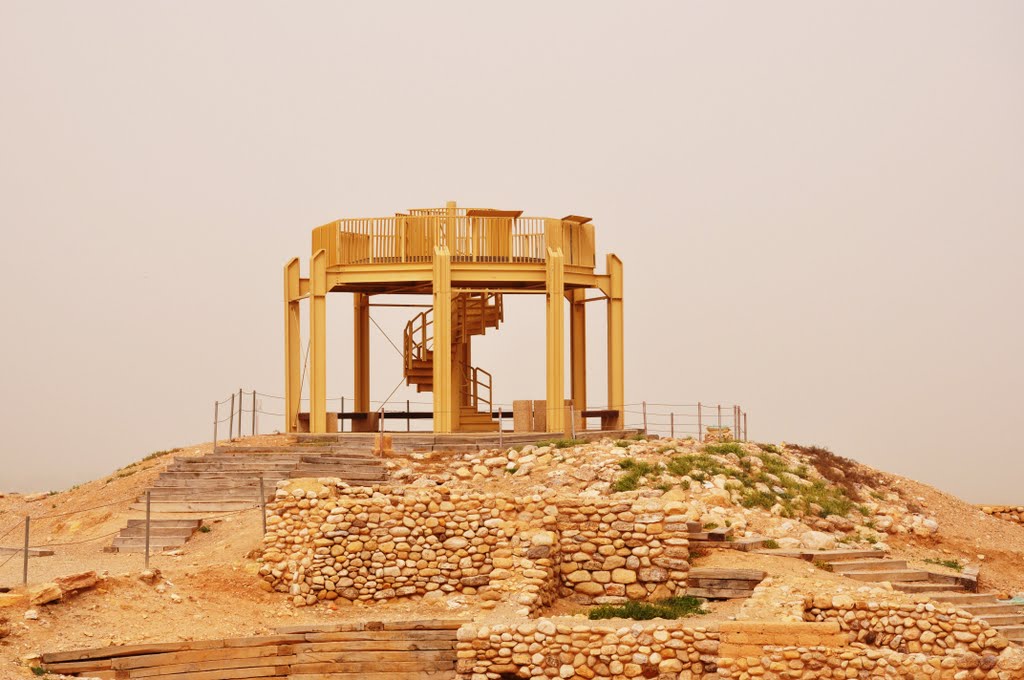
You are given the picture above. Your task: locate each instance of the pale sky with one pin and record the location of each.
(819, 206)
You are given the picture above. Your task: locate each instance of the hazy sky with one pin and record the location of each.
(819, 206)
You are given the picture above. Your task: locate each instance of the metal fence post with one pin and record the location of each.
(254, 413)
(231, 421)
(24, 562)
(263, 506)
(719, 420)
(744, 426)
(216, 419)
(645, 416)
(572, 420)
(408, 419)
(501, 429)
(240, 407)
(700, 424)
(149, 502)
(672, 424)
(341, 416)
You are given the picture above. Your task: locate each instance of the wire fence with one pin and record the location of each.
(253, 412)
(29, 538)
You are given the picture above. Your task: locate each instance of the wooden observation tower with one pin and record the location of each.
(467, 260)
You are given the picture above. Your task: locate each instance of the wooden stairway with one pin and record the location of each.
(164, 534)
(231, 481)
(1005, 617)
(472, 314)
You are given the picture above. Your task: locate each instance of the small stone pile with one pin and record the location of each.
(544, 648)
(1011, 513)
(929, 628)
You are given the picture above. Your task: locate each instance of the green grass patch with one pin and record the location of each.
(636, 471)
(724, 448)
(771, 544)
(671, 608)
(560, 443)
(955, 565)
(205, 528)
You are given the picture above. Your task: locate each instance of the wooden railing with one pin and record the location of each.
(412, 238)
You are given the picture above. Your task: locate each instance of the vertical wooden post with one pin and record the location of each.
(231, 420)
(216, 417)
(572, 419)
(263, 506)
(240, 411)
(555, 285)
(149, 508)
(616, 351)
(444, 400)
(254, 413)
(24, 559)
(744, 426)
(341, 417)
(578, 348)
(644, 408)
(318, 343)
(292, 348)
(361, 345)
(719, 420)
(672, 425)
(501, 429)
(408, 418)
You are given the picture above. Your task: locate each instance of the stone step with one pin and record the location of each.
(1004, 619)
(845, 566)
(892, 575)
(984, 610)
(924, 587)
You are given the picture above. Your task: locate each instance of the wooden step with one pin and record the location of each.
(960, 599)
(892, 575)
(1015, 633)
(195, 506)
(997, 620)
(985, 609)
(844, 566)
(924, 587)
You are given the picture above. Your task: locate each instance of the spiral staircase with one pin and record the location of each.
(472, 314)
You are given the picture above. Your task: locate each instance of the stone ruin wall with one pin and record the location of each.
(728, 650)
(334, 542)
(1011, 513)
(928, 628)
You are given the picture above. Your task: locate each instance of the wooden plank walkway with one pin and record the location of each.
(410, 650)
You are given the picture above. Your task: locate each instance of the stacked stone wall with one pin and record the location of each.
(327, 541)
(1010, 513)
(928, 628)
(617, 551)
(544, 648)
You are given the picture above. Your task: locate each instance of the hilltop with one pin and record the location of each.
(789, 497)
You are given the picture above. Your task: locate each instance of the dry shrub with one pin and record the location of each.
(843, 472)
(5, 627)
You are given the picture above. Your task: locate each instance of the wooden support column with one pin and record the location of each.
(555, 341)
(616, 354)
(318, 342)
(444, 399)
(361, 351)
(578, 348)
(292, 349)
